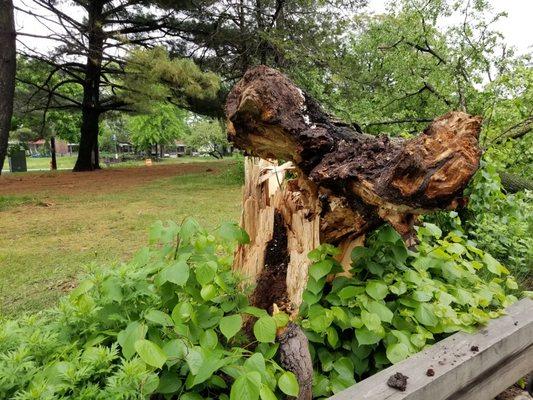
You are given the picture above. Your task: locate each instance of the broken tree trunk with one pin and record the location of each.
(346, 184)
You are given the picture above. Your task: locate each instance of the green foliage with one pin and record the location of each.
(163, 125)
(169, 322)
(499, 223)
(152, 76)
(208, 136)
(397, 302)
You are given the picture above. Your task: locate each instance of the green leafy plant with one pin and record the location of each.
(501, 224)
(175, 321)
(170, 323)
(396, 302)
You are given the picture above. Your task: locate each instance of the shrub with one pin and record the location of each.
(169, 323)
(172, 322)
(501, 224)
(396, 303)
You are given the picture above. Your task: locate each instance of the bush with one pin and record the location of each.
(171, 323)
(501, 224)
(396, 302)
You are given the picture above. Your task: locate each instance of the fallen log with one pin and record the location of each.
(346, 183)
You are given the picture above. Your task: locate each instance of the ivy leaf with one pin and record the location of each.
(381, 310)
(150, 353)
(168, 383)
(350, 292)
(256, 312)
(281, 318)
(266, 394)
(233, 232)
(175, 350)
(492, 264)
(205, 272)
(364, 336)
(425, 314)
(371, 320)
(320, 269)
(208, 339)
(230, 325)
(188, 229)
(377, 290)
(422, 296)
(246, 386)
(388, 235)
(255, 363)
(177, 273)
(127, 337)
(265, 329)
(288, 384)
(344, 366)
(155, 232)
(332, 336)
(159, 318)
(208, 292)
(434, 230)
(397, 352)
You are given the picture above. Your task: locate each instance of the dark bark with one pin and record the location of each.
(53, 164)
(88, 152)
(362, 180)
(513, 183)
(7, 73)
(295, 357)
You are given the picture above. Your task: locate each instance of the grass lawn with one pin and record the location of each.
(67, 162)
(50, 235)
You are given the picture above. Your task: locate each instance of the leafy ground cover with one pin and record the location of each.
(55, 224)
(170, 323)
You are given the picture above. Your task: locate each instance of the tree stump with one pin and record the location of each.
(345, 184)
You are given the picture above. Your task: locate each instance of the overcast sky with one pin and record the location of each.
(517, 27)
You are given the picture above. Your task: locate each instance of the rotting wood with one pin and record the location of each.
(361, 180)
(504, 354)
(347, 183)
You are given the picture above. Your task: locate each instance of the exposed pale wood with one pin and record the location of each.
(345, 257)
(505, 355)
(265, 194)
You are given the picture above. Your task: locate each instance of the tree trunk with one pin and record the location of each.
(88, 152)
(53, 164)
(347, 183)
(8, 61)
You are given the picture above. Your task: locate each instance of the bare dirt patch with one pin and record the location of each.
(96, 182)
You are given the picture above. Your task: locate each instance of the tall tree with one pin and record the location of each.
(7, 73)
(227, 36)
(101, 32)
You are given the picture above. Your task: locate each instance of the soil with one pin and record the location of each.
(272, 282)
(101, 181)
(398, 381)
(515, 392)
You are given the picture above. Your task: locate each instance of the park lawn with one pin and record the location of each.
(67, 162)
(48, 238)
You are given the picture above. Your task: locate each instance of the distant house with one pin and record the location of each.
(41, 147)
(177, 149)
(125, 147)
(181, 148)
(38, 147)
